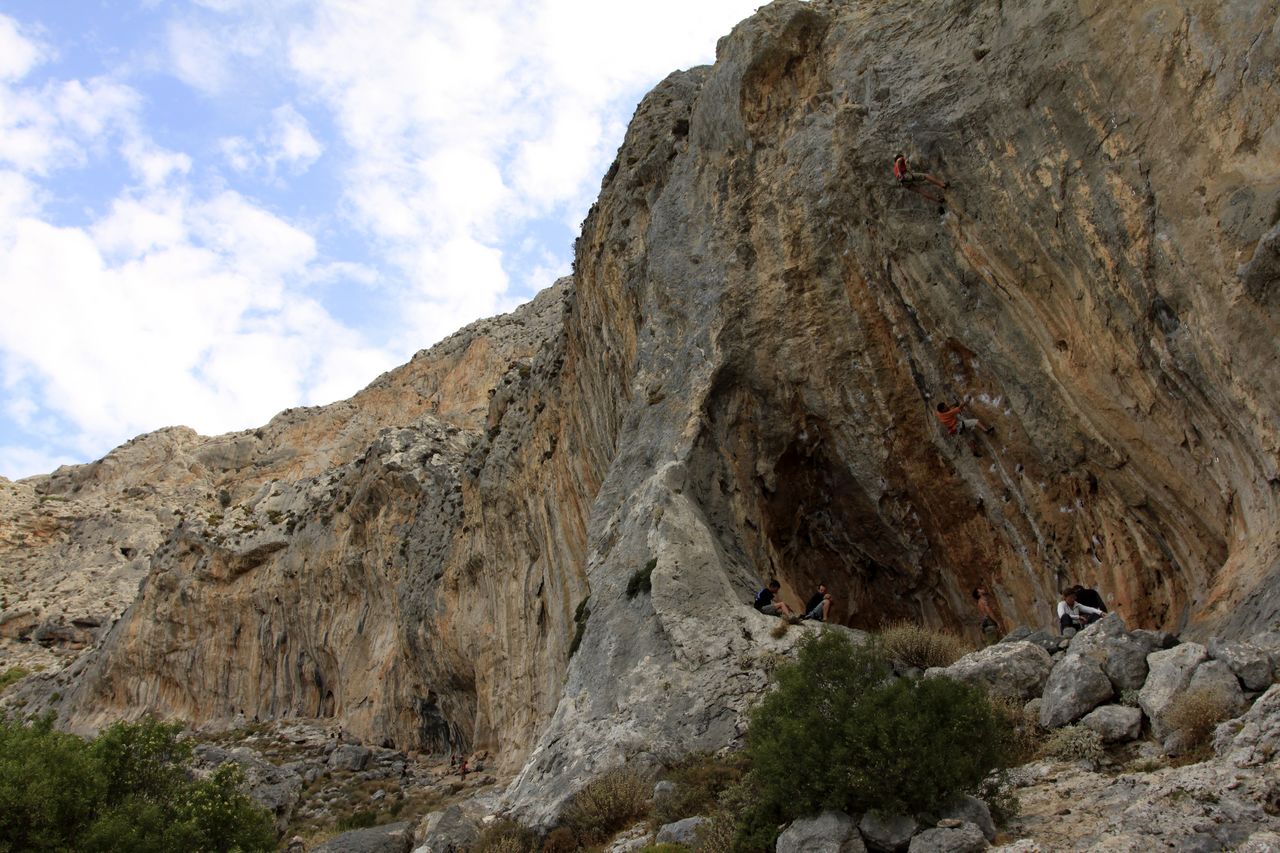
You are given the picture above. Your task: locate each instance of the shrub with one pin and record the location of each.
(914, 645)
(699, 780)
(642, 579)
(506, 836)
(780, 630)
(1026, 737)
(1193, 715)
(717, 835)
(130, 789)
(362, 819)
(13, 674)
(837, 735)
(560, 840)
(580, 617)
(608, 803)
(1075, 743)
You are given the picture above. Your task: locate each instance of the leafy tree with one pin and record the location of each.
(130, 789)
(840, 733)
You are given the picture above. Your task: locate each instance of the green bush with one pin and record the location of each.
(839, 734)
(129, 789)
(12, 675)
(357, 820)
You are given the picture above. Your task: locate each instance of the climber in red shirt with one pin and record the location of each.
(911, 180)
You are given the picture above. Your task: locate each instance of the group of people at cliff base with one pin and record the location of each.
(817, 608)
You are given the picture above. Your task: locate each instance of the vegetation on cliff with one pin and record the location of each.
(128, 789)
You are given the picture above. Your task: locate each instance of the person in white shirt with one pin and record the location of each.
(1073, 614)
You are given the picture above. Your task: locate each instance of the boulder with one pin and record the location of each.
(1269, 643)
(1092, 640)
(1216, 676)
(630, 840)
(448, 831)
(1125, 662)
(681, 832)
(1115, 723)
(829, 832)
(1249, 663)
(887, 833)
(1171, 671)
(390, 838)
(1016, 670)
(1076, 686)
(1158, 640)
(973, 810)
(349, 757)
(965, 838)
(276, 789)
(1253, 739)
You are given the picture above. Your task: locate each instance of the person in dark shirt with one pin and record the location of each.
(768, 603)
(1090, 598)
(818, 607)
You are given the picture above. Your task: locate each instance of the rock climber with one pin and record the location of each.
(1090, 597)
(949, 417)
(1073, 614)
(991, 630)
(766, 604)
(818, 607)
(911, 180)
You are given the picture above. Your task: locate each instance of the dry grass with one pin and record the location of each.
(1026, 737)
(780, 630)
(1075, 743)
(1195, 714)
(915, 645)
(610, 802)
(506, 836)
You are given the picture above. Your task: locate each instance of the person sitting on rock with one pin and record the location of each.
(1090, 598)
(911, 181)
(766, 604)
(949, 417)
(990, 625)
(1073, 614)
(818, 607)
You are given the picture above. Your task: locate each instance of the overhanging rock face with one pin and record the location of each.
(739, 381)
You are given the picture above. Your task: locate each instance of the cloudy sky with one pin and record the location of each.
(214, 210)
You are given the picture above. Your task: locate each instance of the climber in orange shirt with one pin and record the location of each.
(911, 180)
(949, 417)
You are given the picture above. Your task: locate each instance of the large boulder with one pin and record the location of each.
(1076, 686)
(1115, 723)
(965, 838)
(1216, 677)
(975, 811)
(683, 832)
(829, 832)
(1093, 639)
(1017, 670)
(887, 833)
(1171, 672)
(1269, 643)
(1250, 664)
(1125, 662)
(349, 756)
(390, 838)
(449, 831)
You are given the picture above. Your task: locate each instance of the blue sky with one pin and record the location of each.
(214, 210)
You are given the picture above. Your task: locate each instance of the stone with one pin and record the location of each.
(1093, 639)
(1253, 739)
(1269, 643)
(663, 788)
(1115, 723)
(829, 832)
(887, 833)
(1265, 841)
(388, 838)
(349, 757)
(1125, 663)
(1156, 640)
(967, 808)
(630, 840)
(1015, 670)
(1249, 663)
(681, 831)
(965, 838)
(1170, 674)
(449, 831)
(276, 789)
(1215, 676)
(1076, 686)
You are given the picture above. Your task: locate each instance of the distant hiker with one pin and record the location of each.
(818, 607)
(463, 769)
(1090, 598)
(949, 417)
(1073, 614)
(991, 630)
(911, 181)
(766, 604)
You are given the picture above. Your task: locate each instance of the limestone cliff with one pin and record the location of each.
(739, 382)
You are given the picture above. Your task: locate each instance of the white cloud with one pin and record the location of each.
(287, 142)
(18, 54)
(199, 57)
